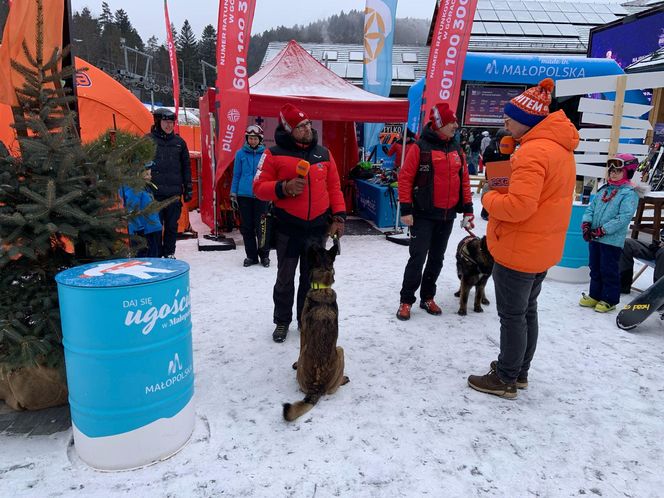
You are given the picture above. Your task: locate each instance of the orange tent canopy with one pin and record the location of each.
(100, 99)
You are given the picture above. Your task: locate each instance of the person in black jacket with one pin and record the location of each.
(492, 154)
(171, 174)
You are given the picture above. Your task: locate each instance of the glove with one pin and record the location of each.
(337, 226)
(188, 195)
(597, 233)
(234, 205)
(467, 221)
(585, 228)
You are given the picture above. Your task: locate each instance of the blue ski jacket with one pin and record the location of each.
(244, 170)
(613, 213)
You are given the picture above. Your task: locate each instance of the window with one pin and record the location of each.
(405, 73)
(522, 16)
(478, 28)
(558, 17)
(531, 29)
(355, 71)
(409, 57)
(330, 55)
(505, 15)
(356, 56)
(549, 30)
(494, 28)
(488, 15)
(338, 68)
(540, 16)
(512, 28)
(568, 30)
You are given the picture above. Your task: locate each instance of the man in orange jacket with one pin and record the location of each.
(308, 206)
(526, 231)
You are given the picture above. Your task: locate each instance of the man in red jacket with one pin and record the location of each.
(433, 187)
(308, 206)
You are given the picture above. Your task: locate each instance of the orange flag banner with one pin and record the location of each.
(21, 26)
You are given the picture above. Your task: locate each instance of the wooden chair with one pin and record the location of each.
(651, 225)
(645, 263)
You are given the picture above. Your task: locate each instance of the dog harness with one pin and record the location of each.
(464, 249)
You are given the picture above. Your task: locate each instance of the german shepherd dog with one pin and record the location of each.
(320, 367)
(474, 267)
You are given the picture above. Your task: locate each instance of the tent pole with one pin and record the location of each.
(397, 235)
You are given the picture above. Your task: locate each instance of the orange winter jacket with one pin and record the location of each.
(322, 195)
(527, 225)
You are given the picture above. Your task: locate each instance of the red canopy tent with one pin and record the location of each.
(295, 77)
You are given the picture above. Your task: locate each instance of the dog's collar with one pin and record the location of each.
(316, 286)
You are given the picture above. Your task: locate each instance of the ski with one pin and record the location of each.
(640, 308)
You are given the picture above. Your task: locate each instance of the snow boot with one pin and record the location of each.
(521, 380)
(404, 311)
(587, 301)
(249, 262)
(492, 384)
(604, 307)
(280, 332)
(431, 307)
(265, 261)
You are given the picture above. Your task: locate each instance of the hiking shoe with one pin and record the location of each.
(521, 380)
(265, 262)
(587, 301)
(249, 262)
(491, 384)
(280, 333)
(603, 307)
(404, 311)
(431, 307)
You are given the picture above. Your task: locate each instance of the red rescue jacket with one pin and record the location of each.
(437, 194)
(322, 194)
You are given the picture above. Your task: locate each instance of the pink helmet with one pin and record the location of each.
(630, 163)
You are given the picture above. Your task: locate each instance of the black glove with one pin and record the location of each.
(585, 227)
(188, 195)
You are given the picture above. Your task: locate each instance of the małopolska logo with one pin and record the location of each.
(233, 115)
(174, 365)
(134, 268)
(492, 67)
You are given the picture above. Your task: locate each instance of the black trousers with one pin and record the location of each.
(516, 301)
(251, 210)
(169, 217)
(428, 241)
(636, 249)
(291, 250)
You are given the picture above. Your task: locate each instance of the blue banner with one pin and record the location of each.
(379, 20)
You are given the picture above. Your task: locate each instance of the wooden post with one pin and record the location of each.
(621, 84)
(657, 113)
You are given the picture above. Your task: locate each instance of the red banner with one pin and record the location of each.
(206, 107)
(174, 66)
(233, 33)
(447, 54)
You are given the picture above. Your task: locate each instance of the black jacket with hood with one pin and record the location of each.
(171, 172)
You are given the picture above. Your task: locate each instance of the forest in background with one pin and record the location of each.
(109, 41)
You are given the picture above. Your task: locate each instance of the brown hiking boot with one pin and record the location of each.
(404, 311)
(521, 380)
(431, 307)
(491, 384)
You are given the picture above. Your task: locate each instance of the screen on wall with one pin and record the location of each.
(627, 43)
(484, 104)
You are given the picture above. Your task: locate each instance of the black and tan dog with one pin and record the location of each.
(320, 367)
(474, 267)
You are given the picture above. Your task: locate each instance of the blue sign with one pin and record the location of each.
(127, 337)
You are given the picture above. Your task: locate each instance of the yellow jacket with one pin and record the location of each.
(527, 225)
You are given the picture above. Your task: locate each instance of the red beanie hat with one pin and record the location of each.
(532, 106)
(441, 115)
(290, 116)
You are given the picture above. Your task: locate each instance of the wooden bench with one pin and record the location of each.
(477, 181)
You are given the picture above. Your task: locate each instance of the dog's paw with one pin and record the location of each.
(295, 366)
(345, 381)
(462, 312)
(478, 309)
(485, 301)
(457, 293)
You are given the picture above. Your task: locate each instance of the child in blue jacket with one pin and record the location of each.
(148, 226)
(604, 225)
(242, 196)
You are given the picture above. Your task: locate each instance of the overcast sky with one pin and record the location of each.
(147, 16)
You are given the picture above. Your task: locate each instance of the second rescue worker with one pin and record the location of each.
(308, 206)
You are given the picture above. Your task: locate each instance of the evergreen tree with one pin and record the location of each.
(58, 208)
(86, 35)
(4, 10)
(188, 52)
(207, 51)
(127, 31)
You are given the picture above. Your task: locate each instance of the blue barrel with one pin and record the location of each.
(126, 328)
(573, 266)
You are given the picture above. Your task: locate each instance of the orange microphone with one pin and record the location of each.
(507, 145)
(302, 168)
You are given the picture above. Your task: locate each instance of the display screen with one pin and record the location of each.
(629, 42)
(484, 104)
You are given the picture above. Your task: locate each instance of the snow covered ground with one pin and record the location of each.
(591, 422)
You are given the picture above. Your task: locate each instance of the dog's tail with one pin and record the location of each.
(299, 408)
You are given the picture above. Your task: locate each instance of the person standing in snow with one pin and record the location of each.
(433, 187)
(604, 226)
(242, 196)
(171, 175)
(486, 140)
(307, 206)
(526, 230)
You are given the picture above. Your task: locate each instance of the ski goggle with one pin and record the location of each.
(615, 164)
